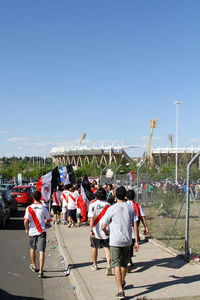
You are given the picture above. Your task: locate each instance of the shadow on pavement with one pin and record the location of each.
(171, 262)
(160, 285)
(6, 296)
(16, 222)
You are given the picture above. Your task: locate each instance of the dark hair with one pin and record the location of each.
(37, 195)
(130, 195)
(101, 194)
(120, 193)
(111, 186)
(60, 188)
(67, 186)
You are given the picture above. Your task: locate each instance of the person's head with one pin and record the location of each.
(72, 189)
(37, 196)
(77, 186)
(67, 186)
(120, 193)
(101, 194)
(105, 186)
(110, 187)
(60, 188)
(130, 195)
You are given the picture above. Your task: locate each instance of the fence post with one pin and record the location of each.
(141, 163)
(187, 252)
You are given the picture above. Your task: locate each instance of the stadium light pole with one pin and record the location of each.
(176, 171)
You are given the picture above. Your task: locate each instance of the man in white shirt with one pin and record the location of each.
(120, 218)
(56, 205)
(34, 222)
(64, 201)
(98, 239)
(71, 207)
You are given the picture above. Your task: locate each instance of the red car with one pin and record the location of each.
(23, 194)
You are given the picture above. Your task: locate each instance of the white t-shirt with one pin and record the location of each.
(120, 218)
(64, 198)
(56, 198)
(71, 199)
(95, 209)
(141, 214)
(36, 214)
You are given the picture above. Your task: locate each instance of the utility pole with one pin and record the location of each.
(176, 171)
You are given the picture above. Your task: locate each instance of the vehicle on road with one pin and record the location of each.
(4, 212)
(23, 194)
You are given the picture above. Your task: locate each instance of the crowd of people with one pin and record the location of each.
(112, 216)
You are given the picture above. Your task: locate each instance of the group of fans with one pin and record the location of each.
(113, 217)
(70, 200)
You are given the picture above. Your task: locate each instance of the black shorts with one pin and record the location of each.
(38, 242)
(56, 209)
(99, 243)
(72, 213)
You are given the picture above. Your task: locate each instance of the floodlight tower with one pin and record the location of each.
(152, 124)
(176, 174)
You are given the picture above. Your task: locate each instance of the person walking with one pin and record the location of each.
(56, 205)
(117, 223)
(98, 239)
(130, 195)
(36, 215)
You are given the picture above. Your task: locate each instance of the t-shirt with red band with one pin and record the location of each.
(36, 214)
(64, 198)
(140, 213)
(56, 198)
(97, 209)
(71, 198)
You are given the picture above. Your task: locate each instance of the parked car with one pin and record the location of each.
(4, 212)
(23, 194)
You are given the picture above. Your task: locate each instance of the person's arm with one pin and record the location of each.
(146, 230)
(105, 230)
(91, 227)
(26, 225)
(136, 247)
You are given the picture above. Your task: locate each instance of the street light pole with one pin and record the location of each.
(176, 174)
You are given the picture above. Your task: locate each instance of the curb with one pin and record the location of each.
(81, 288)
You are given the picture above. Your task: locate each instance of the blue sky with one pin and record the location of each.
(101, 67)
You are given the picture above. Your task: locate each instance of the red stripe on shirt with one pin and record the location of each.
(35, 219)
(56, 199)
(72, 197)
(100, 216)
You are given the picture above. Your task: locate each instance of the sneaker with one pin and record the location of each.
(69, 225)
(94, 268)
(129, 266)
(54, 221)
(109, 271)
(120, 295)
(32, 268)
(40, 274)
(57, 222)
(79, 224)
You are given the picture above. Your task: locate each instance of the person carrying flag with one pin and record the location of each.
(98, 239)
(34, 222)
(56, 205)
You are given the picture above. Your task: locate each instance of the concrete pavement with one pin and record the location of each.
(157, 274)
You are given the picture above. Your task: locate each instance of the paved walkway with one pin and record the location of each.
(157, 273)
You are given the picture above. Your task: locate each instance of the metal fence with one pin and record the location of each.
(172, 211)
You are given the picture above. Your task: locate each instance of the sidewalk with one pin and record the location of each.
(157, 274)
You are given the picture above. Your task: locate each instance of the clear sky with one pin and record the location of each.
(104, 67)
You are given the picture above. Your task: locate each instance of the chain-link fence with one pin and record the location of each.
(164, 204)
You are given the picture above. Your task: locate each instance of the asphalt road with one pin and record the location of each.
(16, 279)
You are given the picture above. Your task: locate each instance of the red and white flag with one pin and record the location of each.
(47, 183)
